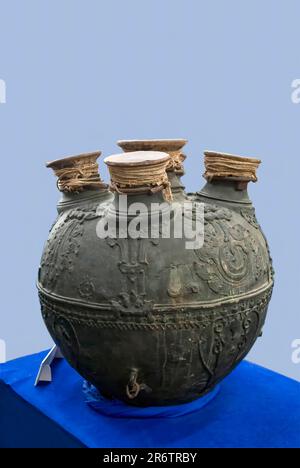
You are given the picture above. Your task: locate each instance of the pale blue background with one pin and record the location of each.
(82, 74)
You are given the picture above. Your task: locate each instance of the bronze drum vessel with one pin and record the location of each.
(145, 319)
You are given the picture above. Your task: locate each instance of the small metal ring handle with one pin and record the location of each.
(133, 388)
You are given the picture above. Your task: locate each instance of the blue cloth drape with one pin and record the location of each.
(118, 409)
(254, 408)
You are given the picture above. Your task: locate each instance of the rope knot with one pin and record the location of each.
(77, 173)
(225, 166)
(140, 172)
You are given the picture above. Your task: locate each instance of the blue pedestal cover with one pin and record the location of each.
(117, 409)
(253, 408)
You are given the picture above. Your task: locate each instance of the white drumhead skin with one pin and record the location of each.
(137, 158)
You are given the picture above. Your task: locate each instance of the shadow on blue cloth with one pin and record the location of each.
(117, 409)
(255, 408)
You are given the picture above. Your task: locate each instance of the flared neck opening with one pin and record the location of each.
(230, 168)
(139, 173)
(173, 147)
(79, 173)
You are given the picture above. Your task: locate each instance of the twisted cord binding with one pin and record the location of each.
(141, 179)
(74, 179)
(219, 165)
(176, 161)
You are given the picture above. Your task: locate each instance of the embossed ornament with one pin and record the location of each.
(147, 320)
